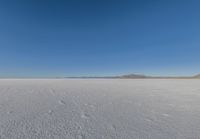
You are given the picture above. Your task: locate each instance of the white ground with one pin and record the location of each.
(99, 109)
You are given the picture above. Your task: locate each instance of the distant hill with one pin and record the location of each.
(132, 76)
(138, 76)
(128, 76)
(197, 76)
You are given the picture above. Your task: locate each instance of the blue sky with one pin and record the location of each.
(56, 38)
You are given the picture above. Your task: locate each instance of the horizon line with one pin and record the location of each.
(102, 76)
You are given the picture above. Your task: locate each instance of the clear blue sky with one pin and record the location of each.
(48, 38)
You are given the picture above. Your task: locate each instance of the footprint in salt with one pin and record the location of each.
(149, 120)
(81, 137)
(113, 127)
(79, 127)
(53, 91)
(61, 102)
(85, 116)
(50, 112)
(91, 106)
(10, 112)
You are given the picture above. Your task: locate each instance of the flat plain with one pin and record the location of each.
(99, 109)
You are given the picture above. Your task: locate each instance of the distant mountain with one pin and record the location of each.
(132, 76)
(197, 76)
(138, 76)
(127, 76)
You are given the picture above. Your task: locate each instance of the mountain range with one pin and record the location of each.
(140, 76)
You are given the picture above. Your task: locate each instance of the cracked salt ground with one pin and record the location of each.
(99, 109)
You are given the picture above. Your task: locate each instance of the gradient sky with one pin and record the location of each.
(48, 38)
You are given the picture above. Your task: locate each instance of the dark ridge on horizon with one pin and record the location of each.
(138, 76)
(197, 76)
(124, 76)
